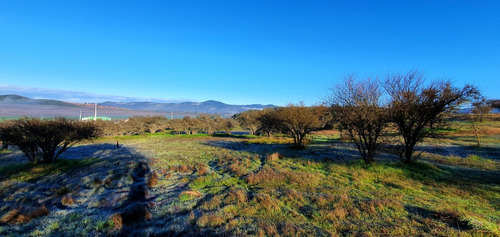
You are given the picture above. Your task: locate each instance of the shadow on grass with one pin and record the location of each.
(486, 152)
(332, 149)
(450, 217)
(448, 175)
(17, 171)
(74, 158)
(91, 181)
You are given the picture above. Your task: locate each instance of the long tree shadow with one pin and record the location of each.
(89, 182)
(337, 151)
(487, 152)
(333, 150)
(449, 175)
(340, 151)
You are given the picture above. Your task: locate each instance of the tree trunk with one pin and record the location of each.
(408, 155)
(474, 125)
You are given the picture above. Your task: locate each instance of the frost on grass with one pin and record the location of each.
(165, 185)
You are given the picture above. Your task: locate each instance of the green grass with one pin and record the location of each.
(344, 198)
(225, 185)
(472, 161)
(28, 171)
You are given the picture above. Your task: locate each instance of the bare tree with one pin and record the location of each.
(269, 122)
(209, 123)
(179, 125)
(298, 121)
(249, 120)
(153, 124)
(413, 105)
(478, 112)
(357, 109)
(227, 124)
(44, 140)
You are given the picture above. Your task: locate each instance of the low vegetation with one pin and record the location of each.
(45, 140)
(414, 106)
(164, 184)
(357, 109)
(150, 176)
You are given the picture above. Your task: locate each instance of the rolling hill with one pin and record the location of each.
(210, 107)
(16, 105)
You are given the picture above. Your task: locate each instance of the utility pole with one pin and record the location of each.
(80, 115)
(171, 115)
(95, 113)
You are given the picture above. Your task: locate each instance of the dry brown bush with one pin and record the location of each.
(24, 215)
(67, 200)
(213, 203)
(273, 157)
(152, 179)
(293, 197)
(290, 229)
(236, 195)
(201, 168)
(267, 202)
(237, 168)
(211, 220)
(270, 175)
(321, 201)
(181, 169)
(340, 212)
(269, 228)
(353, 211)
(265, 174)
(117, 221)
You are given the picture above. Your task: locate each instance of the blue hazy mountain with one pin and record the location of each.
(16, 105)
(209, 106)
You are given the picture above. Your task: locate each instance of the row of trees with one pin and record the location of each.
(294, 120)
(365, 109)
(402, 107)
(152, 124)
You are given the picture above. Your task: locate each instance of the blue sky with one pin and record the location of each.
(270, 52)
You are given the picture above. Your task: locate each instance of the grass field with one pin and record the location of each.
(164, 184)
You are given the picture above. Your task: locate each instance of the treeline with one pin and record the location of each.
(403, 107)
(295, 120)
(208, 124)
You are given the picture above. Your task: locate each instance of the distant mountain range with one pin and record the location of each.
(15, 105)
(16, 99)
(209, 107)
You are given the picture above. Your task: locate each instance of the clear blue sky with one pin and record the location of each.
(243, 52)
